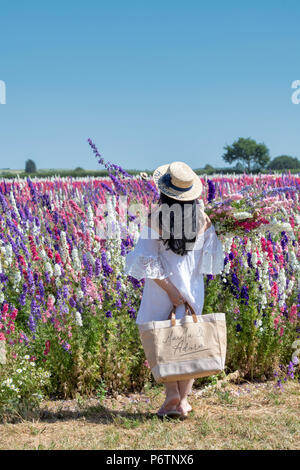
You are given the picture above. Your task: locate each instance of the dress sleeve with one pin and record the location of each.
(212, 256)
(144, 261)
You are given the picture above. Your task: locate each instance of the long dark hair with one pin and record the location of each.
(181, 233)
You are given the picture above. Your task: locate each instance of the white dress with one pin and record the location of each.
(151, 260)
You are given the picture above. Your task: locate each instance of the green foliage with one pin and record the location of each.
(284, 162)
(254, 346)
(22, 384)
(30, 166)
(248, 152)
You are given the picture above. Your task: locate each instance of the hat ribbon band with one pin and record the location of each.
(166, 179)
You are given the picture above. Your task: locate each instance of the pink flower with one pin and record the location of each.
(276, 321)
(274, 290)
(13, 314)
(50, 302)
(293, 313)
(2, 337)
(5, 308)
(281, 331)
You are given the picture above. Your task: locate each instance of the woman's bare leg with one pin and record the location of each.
(172, 397)
(184, 387)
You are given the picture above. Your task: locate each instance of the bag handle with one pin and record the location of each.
(188, 310)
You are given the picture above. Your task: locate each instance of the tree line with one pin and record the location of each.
(248, 156)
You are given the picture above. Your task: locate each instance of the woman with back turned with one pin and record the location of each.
(176, 247)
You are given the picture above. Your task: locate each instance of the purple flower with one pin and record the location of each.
(31, 323)
(66, 346)
(132, 312)
(234, 287)
(97, 267)
(244, 295)
(295, 361)
(211, 190)
(108, 314)
(106, 267)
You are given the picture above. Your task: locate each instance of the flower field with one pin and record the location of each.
(67, 310)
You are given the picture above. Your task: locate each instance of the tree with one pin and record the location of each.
(209, 169)
(30, 166)
(239, 167)
(284, 162)
(248, 152)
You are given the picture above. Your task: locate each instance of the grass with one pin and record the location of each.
(247, 416)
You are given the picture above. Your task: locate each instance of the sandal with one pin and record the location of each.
(169, 413)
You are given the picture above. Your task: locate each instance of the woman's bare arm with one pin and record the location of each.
(172, 291)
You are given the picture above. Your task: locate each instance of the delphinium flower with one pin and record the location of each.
(120, 188)
(3, 202)
(95, 150)
(41, 288)
(31, 323)
(244, 296)
(135, 283)
(57, 270)
(235, 285)
(282, 287)
(108, 189)
(75, 259)
(83, 284)
(97, 267)
(111, 167)
(64, 247)
(211, 191)
(132, 312)
(78, 318)
(105, 266)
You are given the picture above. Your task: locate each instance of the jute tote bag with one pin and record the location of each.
(181, 349)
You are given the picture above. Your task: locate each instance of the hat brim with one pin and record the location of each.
(191, 194)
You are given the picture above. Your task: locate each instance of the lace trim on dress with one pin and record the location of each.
(141, 266)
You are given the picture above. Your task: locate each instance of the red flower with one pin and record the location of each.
(47, 347)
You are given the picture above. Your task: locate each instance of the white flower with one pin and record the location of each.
(78, 318)
(57, 270)
(7, 382)
(242, 215)
(48, 268)
(80, 293)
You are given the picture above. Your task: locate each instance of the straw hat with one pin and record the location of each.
(143, 175)
(178, 180)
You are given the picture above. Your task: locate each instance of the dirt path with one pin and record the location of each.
(248, 416)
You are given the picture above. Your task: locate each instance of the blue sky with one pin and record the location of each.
(149, 81)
